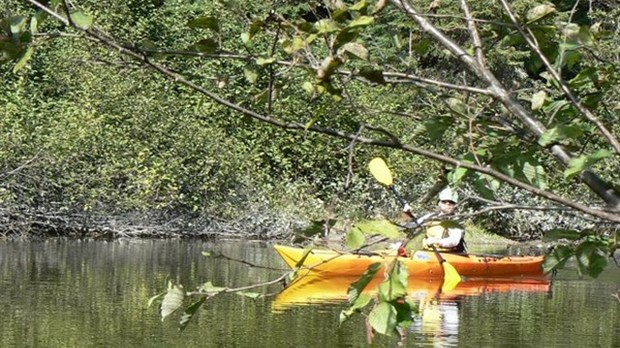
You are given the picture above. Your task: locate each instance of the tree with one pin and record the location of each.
(341, 56)
(519, 94)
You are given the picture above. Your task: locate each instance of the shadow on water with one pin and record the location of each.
(68, 293)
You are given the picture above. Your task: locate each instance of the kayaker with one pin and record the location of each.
(441, 232)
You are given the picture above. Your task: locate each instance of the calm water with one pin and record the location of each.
(61, 293)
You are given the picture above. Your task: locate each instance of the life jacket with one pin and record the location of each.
(439, 230)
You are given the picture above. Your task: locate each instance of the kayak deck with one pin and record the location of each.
(422, 264)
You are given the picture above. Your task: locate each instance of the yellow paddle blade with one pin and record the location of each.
(380, 171)
(451, 278)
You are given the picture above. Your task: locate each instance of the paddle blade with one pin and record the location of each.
(379, 169)
(451, 278)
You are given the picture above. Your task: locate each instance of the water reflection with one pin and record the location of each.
(65, 293)
(438, 319)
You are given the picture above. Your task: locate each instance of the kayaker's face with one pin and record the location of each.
(447, 207)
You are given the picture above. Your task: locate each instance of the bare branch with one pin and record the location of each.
(473, 32)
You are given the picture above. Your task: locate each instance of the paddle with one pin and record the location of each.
(380, 171)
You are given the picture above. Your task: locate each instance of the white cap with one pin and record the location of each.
(448, 195)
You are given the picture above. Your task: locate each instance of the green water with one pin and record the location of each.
(63, 293)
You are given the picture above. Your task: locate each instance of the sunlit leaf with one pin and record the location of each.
(539, 12)
(206, 253)
(356, 50)
(81, 20)
(208, 287)
(581, 163)
(538, 99)
(252, 295)
(251, 73)
(23, 60)
(205, 22)
(361, 21)
(326, 26)
(173, 300)
(383, 318)
(381, 227)
(189, 312)
(265, 60)
(17, 24)
(359, 6)
(354, 238)
(535, 174)
(207, 45)
(561, 132)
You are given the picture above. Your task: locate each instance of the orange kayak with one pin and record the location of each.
(421, 264)
(313, 289)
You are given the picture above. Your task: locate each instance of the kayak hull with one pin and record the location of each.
(421, 264)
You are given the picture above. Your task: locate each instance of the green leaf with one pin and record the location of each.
(354, 238)
(208, 287)
(383, 318)
(172, 301)
(205, 22)
(561, 132)
(298, 42)
(395, 286)
(361, 21)
(457, 105)
(304, 256)
(265, 60)
(355, 50)
(539, 12)
(557, 258)
(81, 20)
(23, 60)
(251, 73)
(252, 295)
(559, 233)
(590, 259)
(189, 312)
(538, 99)
(361, 301)
(359, 6)
(581, 163)
(207, 45)
(206, 253)
(356, 288)
(343, 37)
(535, 174)
(325, 26)
(381, 227)
(17, 24)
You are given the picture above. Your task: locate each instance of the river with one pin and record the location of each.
(72, 293)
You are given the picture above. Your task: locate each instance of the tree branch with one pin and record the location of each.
(563, 87)
(269, 119)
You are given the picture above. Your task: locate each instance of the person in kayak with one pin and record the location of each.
(441, 232)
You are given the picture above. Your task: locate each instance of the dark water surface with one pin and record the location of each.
(64, 293)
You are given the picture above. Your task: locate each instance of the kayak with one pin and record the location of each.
(421, 264)
(313, 289)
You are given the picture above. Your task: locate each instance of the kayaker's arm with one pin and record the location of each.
(454, 238)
